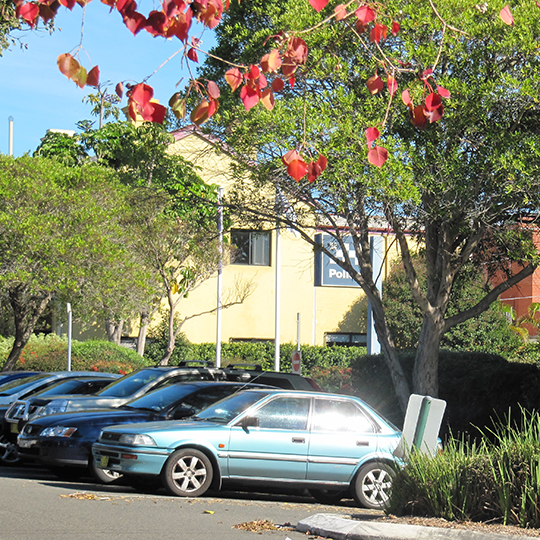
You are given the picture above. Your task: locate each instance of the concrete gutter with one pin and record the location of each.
(341, 528)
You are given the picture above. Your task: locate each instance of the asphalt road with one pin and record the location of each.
(34, 504)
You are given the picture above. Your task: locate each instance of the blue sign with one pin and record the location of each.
(327, 272)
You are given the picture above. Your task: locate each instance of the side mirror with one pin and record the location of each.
(249, 421)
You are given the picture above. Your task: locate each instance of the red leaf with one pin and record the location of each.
(433, 102)
(297, 169)
(406, 98)
(158, 114)
(322, 162)
(377, 156)
(68, 3)
(267, 99)
(360, 28)
(253, 72)
(291, 155)
(234, 78)
(79, 77)
(418, 116)
(395, 28)
(93, 77)
(427, 74)
(271, 62)
(313, 171)
(249, 96)
(435, 114)
(340, 12)
(200, 114)
(134, 22)
(192, 55)
(29, 12)
(141, 94)
(377, 33)
(372, 134)
(119, 89)
(365, 14)
(292, 80)
(297, 50)
(318, 5)
(67, 65)
(392, 85)
(375, 84)
(506, 16)
(278, 85)
(443, 92)
(213, 90)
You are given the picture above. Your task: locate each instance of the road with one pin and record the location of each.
(35, 504)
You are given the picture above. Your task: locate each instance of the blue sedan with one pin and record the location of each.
(329, 444)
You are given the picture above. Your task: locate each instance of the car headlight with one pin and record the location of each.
(55, 407)
(58, 431)
(133, 440)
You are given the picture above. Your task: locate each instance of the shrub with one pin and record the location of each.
(49, 353)
(494, 480)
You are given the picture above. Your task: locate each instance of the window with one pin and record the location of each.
(284, 413)
(345, 339)
(336, 415)
(252, 247)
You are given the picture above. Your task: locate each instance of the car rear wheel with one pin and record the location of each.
(103, 476)
(328, 496)
(187, 473)
(373, 485)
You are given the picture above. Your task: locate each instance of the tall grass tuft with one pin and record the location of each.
(496, 479)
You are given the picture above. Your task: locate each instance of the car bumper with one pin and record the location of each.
(129, 459)
(55, 452)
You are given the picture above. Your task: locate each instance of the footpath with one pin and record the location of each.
(342, 527)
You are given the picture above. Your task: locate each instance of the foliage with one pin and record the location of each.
(61, 147)
(48, 352)
(61, 236)
(463, 187)
(487, 332)
(496, 481)
(8, 22)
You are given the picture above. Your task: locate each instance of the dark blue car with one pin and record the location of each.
(63, 442)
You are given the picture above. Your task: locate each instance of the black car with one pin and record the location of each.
(63, 442)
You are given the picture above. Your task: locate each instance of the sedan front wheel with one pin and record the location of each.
(187, 473)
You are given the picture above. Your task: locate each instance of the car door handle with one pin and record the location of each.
(299, 440)
(362, 443)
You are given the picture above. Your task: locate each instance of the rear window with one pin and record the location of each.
(18, 385)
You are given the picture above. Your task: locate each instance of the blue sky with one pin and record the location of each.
(39, 97)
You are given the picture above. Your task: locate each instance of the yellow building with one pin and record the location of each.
(329, 306)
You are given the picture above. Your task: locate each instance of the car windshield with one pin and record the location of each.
(128, 385)
(12, 387)
(229, 408)
(163, 397)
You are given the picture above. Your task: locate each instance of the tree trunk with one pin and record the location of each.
(143, 330)
(426, 365)
(114, 331)
(26, 312)
(171, 342)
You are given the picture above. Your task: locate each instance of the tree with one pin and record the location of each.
(487, 332)
(60, 238)
(465, 187)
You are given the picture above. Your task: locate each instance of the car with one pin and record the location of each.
(6, 376)
(21, 410)
(11, 414)
(63, 442)
(330, 444)
(140, 382)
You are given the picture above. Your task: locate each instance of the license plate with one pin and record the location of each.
(14, 428)
(26, 443)
(104, 461)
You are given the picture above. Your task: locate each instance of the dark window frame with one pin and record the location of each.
(249, 242)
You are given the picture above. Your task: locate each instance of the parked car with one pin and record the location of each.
(20, 411)
(11, 416)
(140, 382)
(63, 442)
(327, 443)
(6, 376)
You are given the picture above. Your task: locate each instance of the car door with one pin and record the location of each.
(277, 447)
(341, 434)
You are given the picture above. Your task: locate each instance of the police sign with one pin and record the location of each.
(327, 272)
